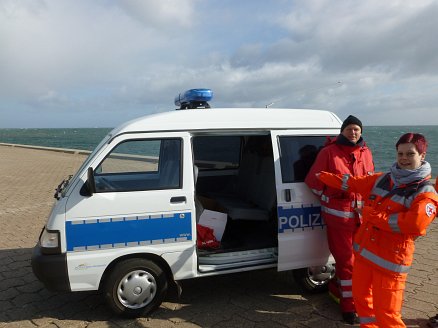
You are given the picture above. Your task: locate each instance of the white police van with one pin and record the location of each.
(126, 222)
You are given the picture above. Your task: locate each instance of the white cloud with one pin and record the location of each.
(131, 57)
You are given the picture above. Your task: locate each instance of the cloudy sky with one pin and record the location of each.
(80, 63)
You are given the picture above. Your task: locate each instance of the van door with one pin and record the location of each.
(144, 196)
(302, 240)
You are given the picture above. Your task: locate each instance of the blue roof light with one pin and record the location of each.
(194, 98)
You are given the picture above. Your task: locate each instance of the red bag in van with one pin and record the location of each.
(206, 238)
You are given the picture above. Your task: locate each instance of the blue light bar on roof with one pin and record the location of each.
(194, 98)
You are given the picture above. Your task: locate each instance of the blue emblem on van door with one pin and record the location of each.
(105, 233)
(299, 218)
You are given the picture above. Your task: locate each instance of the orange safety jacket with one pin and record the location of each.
(392, 218)
(340, 159)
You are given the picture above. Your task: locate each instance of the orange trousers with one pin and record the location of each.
(378, 295)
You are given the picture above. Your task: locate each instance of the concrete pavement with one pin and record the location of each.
(253, 299)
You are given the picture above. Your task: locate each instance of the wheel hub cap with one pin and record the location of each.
(137, 289)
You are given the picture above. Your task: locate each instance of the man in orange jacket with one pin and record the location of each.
(398, 208)
(347, 153)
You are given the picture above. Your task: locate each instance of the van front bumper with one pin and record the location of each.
(51, 270)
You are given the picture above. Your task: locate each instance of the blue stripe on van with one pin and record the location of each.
(299, 218)
(92, 234)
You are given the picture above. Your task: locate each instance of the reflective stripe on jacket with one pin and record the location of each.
(392, 218)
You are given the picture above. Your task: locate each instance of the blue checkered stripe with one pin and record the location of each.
(107, 233)
(301, 218)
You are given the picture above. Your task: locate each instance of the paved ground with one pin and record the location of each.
(257, 299)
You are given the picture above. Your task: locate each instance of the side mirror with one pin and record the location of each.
(89, 187)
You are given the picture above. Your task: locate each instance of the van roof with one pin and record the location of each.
(232, 118)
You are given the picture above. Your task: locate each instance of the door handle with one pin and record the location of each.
(178, 199)
(287, 195)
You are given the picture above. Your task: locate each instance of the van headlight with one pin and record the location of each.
(50, 242)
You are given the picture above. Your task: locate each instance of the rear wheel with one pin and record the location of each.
(314, 279)
(135, 287)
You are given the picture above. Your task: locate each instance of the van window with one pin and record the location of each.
(217, 152)
(297, 155)
(141, 165)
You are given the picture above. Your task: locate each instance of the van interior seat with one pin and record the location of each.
(256, 193)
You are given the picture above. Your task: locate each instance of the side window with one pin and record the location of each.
(297, 155)
(141, 165)
(217, 152)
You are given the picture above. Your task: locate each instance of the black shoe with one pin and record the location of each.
(433, 322)
(350, 317)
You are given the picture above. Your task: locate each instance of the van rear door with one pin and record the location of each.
(302, 240)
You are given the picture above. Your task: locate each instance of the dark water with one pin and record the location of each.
(381, 140)
(85, 139)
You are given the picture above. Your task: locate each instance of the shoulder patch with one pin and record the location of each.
(430, 209)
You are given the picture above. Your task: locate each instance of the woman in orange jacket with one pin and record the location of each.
(399, 206)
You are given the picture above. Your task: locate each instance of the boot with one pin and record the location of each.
(433, 322)
(350, 318)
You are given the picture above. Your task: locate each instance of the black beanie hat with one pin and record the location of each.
(351, 120)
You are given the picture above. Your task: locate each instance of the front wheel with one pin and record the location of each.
(314, 279)
(135, 287)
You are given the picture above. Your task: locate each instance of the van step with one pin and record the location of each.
(222, 261)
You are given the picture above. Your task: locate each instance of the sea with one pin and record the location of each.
(380, 139)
